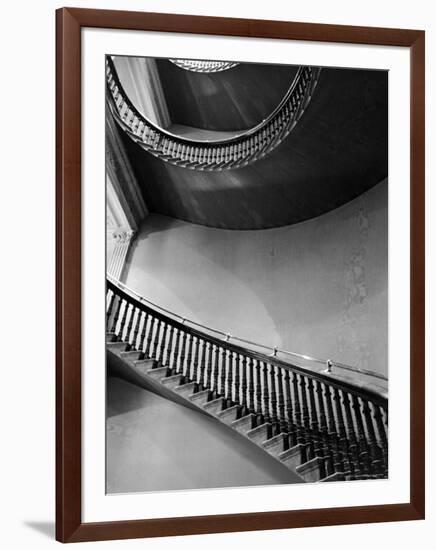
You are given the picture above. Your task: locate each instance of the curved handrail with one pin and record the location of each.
(231, 152)
(203, 66)
(376, 396)
(228, 336)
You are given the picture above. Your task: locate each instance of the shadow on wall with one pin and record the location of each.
(317, 288)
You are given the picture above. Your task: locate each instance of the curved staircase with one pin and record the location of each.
(322, 428)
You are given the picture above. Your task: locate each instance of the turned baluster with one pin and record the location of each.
(306, 418)
(130, 325)
(314, 423)
(222, 362)
(148, 324)
(143, 332)
(281, 401)
(216, 371)
(324, 429)
(123, 320)
(292, 437)
(374, 449)
(229, 378)
(165, 345)
(266, 392)
(301, 432)
(207, 380)
(237, 379)
(273, 396)
(175, 360)
(364, 457)
(251, 385)
(136, 329)
(169, 347)
(201, 365)
(351, 436)
(109, 309)
(117, 315)
(195, 362)
(260, 418)
(244, 408)
(333, 434)
(343, 441)
(181, 365)
(382, 437)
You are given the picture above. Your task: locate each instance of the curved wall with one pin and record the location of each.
(317, 288)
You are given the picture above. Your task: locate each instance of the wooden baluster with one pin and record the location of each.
(324, 429)
(351, 436)
(266, 392)
(175, 360)
(130, 325)
(292, 437)
(155, 338)
(333, 434)
(143, 332)
(109, 309)
(168, 347)
(281, 401)
(343, 441)
(123, 321)
(382, 438)
(148, 328)
(306, 418)
(229, 379)
(260, 418)
(244, 408)
(136, 328)
(251, 407)
(207, 380)
(315, 429)
(238, 381)
(374, 449)
(301, 433)
(273, 399)
(117, 315)
(188, 373)
(364, 457)
(181, 364)
(222, 362)
(159, 342)
(216, 371)
(195, 362)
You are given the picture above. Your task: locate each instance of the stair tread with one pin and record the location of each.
(259, 429)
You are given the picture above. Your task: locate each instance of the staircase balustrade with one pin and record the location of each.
(340, 425)
(234, 152)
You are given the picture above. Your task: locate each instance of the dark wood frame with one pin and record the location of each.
(69, 526)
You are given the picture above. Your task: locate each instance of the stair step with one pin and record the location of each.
(275, 445)
(200, 397)
(185, 389)
(260, 433)
(337, 476)
(116, 347)
(228, 415)
(311, 471)
(173, 380)
(145, 366)
(110, 336)
(292, 457)
(130, 355)
(214, 406)
(244, 424)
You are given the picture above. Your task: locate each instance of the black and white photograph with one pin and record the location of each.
(246, 274)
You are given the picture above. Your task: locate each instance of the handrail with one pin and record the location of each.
(275, 349)
(230, 152)
(203, 66)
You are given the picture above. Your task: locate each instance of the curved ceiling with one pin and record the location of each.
(337, 151)
(218, 101)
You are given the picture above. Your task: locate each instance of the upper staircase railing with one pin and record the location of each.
(204, 66)
(234, 152)
(341, 425)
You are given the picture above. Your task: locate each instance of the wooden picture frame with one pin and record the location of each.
(69, 525)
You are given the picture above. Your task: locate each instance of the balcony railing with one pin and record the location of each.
(234, 152)
(341, 425)
(204, 66)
